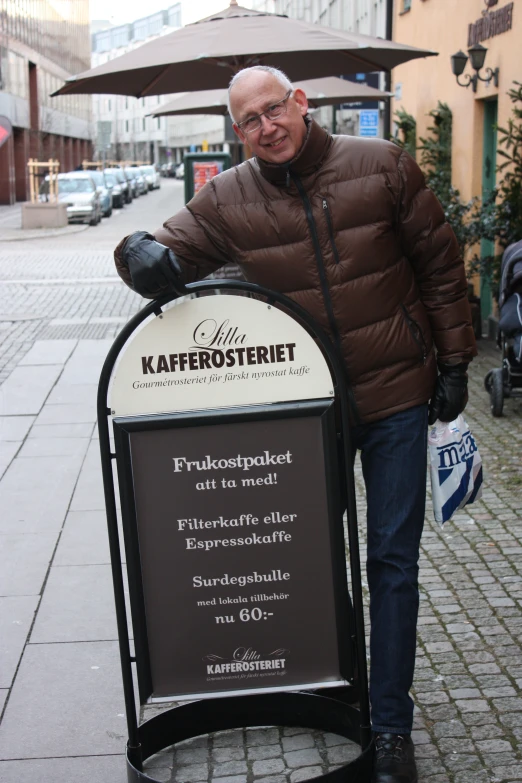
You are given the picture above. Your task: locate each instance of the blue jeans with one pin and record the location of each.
(394, 462)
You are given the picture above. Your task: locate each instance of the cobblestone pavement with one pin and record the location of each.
(66, 287)
(468, 717)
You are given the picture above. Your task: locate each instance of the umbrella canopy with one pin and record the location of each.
(206, 54)
(320, 92)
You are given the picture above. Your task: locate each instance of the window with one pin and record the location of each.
(159, 123)
(144, 124)
(109, 102)
(174, 15)
(406, 6)
(126, 126)
(18, 76)
(120, 36)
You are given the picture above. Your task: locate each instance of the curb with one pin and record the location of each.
(57, 233)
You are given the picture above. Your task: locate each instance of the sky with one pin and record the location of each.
(121, 11)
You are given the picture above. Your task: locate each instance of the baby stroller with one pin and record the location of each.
(506, 381)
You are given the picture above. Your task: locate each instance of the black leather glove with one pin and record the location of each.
(450, 395)
(154, 268)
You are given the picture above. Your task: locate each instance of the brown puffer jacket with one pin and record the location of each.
(351, 232)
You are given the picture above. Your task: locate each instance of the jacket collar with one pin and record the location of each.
(309, 158)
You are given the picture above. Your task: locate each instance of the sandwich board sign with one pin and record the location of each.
(225, 437)
(230, 417)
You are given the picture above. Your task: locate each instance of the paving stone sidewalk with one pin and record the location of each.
(60, 682)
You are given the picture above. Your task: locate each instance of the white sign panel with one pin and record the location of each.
(369, 122)
(215, 352)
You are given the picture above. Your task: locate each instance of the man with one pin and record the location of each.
(346, 227)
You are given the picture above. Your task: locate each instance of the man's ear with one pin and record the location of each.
(239, 133)
(301, 100)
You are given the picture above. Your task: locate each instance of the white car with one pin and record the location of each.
(78, 190)
(180, 171)
(152, 176)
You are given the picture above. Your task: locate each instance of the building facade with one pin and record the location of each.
(42, 43)
(123, 129)
(448, 27)
(367, 17)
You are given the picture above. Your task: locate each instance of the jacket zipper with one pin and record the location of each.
(330, 230)
(416, 333)
(324, 286)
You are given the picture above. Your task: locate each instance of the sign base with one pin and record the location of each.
(305, 710)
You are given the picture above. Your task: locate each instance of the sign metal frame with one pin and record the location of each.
(326, 708)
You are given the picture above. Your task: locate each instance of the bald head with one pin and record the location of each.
(267, 97)
(248, 73)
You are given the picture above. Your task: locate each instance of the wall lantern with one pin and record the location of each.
(477, 56)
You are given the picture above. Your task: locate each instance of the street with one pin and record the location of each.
(61, 304)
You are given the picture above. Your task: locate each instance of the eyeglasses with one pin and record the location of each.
(272, 113)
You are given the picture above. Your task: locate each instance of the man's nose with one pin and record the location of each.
(267, 125)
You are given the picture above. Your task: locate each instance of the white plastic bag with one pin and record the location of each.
(455, 467)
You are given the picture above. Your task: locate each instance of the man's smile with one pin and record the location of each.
(276, 143)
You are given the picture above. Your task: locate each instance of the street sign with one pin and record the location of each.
(104, 130)
(369, 122)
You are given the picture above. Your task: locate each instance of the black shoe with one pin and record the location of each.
(394, 759)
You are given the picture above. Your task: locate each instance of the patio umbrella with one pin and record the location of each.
(328, 91)
(206, 54)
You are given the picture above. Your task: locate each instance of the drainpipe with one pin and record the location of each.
(387, 74)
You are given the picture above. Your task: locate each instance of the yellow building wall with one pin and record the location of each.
(442, 26)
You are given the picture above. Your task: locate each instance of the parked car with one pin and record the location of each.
(180, 171)
(78, 190)
(168, 170)
(152, 176)
(143, 188)
(124, 182)
(117, 190)
(104, 190)
(132, 178)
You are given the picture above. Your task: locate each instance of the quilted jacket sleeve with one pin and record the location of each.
(194, 234)
(430, 245)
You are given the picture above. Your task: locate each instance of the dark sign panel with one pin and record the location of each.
(370, 80)
(235, 550)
